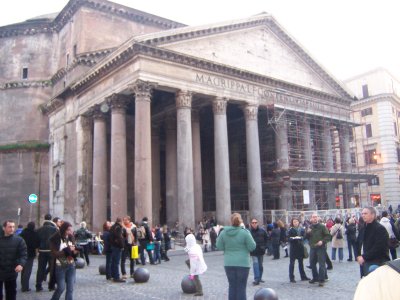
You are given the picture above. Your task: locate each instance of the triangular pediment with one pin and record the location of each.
(262, 47)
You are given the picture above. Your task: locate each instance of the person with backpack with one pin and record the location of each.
(337, 233)
(145, 239)
(392, 232)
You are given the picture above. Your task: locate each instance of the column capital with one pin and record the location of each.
(96, 111)
(184, 99)
(250, 112)
(143, 90)
(219, 105)
(118, 102)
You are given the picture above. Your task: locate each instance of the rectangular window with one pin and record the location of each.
(67, 60)
(395, 128)
(370, 157)
(75, 50)
(366, 112)
(368, 130)
(373, 181)
(353, 159)
(365, 91)
(24, 73)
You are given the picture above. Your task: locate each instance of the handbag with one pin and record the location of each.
(305, 250)
(135, 252)
(393, 243)
(150, 247)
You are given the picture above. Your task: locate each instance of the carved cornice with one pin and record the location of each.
(51, 105)
(183, 99)
(219, 106)
(87, 59)
(32, 27)
(193, 62)
(26, 84)
(143, 90)
(250, 112)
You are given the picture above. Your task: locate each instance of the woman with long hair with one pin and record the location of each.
(63, 250)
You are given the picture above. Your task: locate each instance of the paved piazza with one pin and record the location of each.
(165, 281)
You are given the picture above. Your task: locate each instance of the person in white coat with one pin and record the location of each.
(393, 242)
(195, 262)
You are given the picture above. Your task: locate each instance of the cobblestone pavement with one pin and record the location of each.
(165, 280)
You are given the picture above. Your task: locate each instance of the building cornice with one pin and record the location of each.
(115, 61)
(50, 26)
(373, 99)
(26, 84)
(86, 59)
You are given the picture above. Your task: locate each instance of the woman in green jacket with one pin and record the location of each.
(237, 243)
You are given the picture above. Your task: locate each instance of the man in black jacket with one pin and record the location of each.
(45, 232)
(375, 243)
(31, 239)
(146, 242)
(13, 258)
(260, 236)
(117, 245)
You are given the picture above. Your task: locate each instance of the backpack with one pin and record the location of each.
(141, 232)
(339, 234)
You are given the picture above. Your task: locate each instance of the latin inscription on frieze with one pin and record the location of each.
(262, 94)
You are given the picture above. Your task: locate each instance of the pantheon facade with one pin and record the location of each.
(149, 117)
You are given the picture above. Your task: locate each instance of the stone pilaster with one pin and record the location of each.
(99, 205)
(197, 175)
(171, 170)
(185, 160)
(118, 170)
(143, 169)
(254, 185)
(221, 152)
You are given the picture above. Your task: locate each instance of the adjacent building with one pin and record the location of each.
(376, 143)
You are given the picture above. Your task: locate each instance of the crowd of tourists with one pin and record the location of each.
(370, 238)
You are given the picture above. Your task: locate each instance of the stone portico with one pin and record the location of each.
(201, 120)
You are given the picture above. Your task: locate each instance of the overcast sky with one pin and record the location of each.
(347, 37)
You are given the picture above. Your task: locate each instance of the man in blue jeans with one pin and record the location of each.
(260, 237)
(318, 236)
